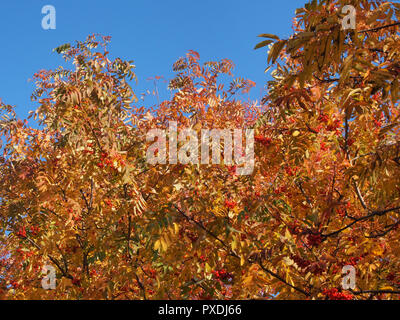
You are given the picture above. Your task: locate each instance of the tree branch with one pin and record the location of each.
(275, 275)
(381, 27)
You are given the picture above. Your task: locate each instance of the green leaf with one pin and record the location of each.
(62, 48)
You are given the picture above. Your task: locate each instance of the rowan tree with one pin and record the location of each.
(332, 120)
(78, 193)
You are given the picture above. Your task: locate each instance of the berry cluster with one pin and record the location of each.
(323, 146)
(294, 227)
(24, 253)
(353, 261)
(21, 232)
(302, 263)
(222, 274)
(377, 123)
(290, 171)
(316, 268)
(105, 161)
(392, 277)
(323, 118)
(230, 204)
(232, 170)
(76, 281)
(280, 190)
(190, 234)
(341, 212)
(108, 202)
(93, 272)
(313, 239)
(350, 142)
(265, 141)
(14, 284)
(335, 294)
(34, 230)
(153, 273)
(334, 126)
(90, 151)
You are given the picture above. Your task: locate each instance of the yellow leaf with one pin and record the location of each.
(176, 228)
(234, 244)
(387, 288)
(378, 250)
(247, 280)
(164, 244)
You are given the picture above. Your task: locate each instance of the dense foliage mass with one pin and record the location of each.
(77, 192)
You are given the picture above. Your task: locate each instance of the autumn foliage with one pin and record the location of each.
(77, 193)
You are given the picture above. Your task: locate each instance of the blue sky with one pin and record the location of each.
(153, 33)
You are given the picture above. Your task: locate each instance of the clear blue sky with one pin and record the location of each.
(153, 33)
